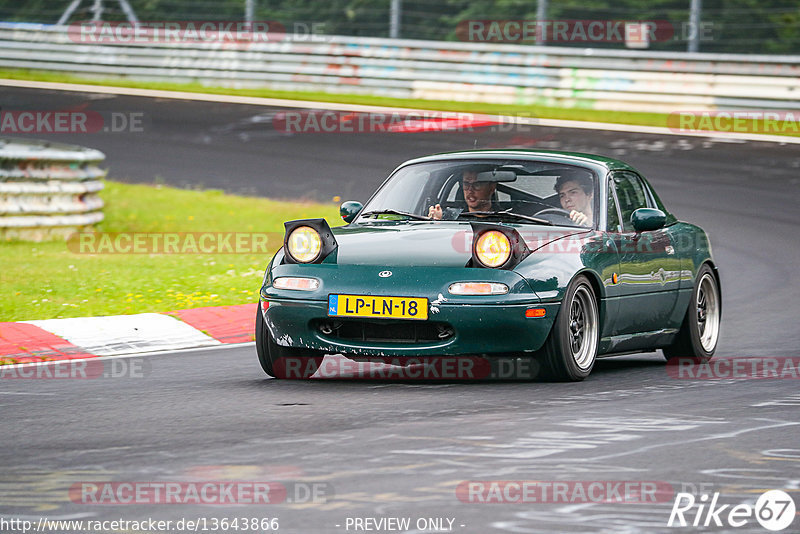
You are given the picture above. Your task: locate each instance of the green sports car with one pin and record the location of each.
(552, 258)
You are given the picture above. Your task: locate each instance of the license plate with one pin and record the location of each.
(378, 307)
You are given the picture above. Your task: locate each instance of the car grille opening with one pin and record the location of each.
(386, 331)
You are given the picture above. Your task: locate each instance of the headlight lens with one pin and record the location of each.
(478, 288)
(493, 248)
(296, 283)
(304, 244)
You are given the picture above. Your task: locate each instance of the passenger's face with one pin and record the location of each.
(573, 197)
(478, 195)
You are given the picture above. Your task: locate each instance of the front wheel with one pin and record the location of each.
(571, 348)
(282, 362)
(699, 331)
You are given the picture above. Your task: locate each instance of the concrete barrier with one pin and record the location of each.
(497, 73)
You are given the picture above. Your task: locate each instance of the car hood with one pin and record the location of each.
(437, 244)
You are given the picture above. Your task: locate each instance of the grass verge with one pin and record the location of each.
(789, 128)
(53, 280)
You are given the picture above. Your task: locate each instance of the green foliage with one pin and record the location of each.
(740, 26)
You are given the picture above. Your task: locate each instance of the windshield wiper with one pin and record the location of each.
(509, 214)
(396, 212)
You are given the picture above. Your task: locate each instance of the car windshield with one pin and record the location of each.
(535, 192)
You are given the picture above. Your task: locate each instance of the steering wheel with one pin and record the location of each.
(554, 211)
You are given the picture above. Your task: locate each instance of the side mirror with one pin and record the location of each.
(645, 219)
(349, 209)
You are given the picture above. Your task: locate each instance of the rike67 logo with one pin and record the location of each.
(774, 510)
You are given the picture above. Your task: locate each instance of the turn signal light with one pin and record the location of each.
(296, 283)
(478, 288)
(535, 312)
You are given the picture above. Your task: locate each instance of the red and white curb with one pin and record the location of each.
(87, 337)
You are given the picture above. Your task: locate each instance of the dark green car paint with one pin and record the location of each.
(642, 310)
(648, 219)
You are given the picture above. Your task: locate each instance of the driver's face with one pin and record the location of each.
(477, 194)
(573, 197)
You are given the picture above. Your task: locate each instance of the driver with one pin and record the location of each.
(576, 194)
(477, 195)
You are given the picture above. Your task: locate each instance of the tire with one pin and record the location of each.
(283, 362)
(571, 348)
(699, 331)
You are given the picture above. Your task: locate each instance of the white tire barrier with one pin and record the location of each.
(48, 190)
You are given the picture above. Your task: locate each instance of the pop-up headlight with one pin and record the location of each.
(495, 246)
(308, 241)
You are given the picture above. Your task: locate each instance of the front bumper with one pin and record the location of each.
(475, 329)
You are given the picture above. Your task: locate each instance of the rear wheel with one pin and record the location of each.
(283, 362)
(571, 348)
(699, 331)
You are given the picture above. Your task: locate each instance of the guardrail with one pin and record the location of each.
(48, 190)
(474, 72)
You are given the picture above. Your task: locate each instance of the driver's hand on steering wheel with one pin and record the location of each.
(579, 218)
(435, 212)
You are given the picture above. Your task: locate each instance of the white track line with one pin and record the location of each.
(285, 103)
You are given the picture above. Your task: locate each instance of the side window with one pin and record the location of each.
(612, 224)
(630, 195)
(656, 202)
(502, 196)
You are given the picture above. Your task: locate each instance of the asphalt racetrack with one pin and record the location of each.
(401, 449)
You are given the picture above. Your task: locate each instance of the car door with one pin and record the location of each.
(649, 275)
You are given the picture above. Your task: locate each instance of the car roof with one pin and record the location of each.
(549, 155)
